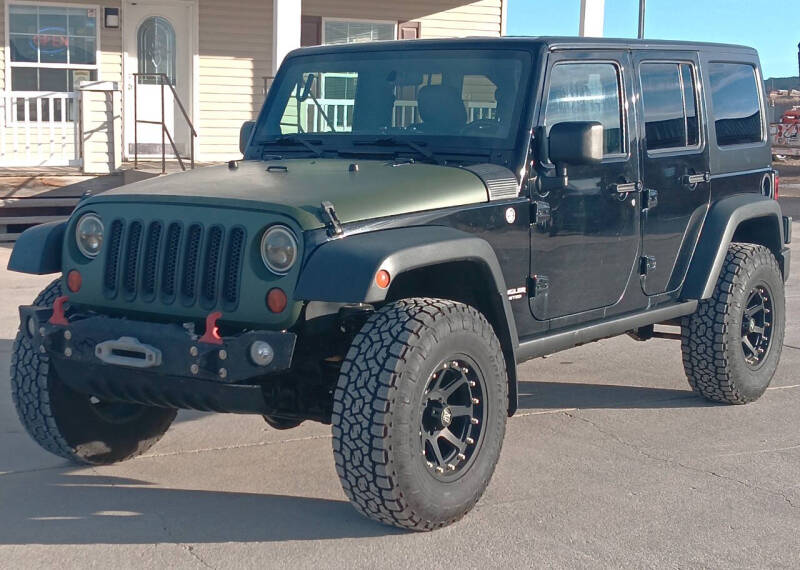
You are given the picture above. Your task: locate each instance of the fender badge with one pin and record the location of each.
(515, 294)
(511, 215)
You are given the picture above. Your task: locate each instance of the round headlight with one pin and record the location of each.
(89, 235)
(279, 249)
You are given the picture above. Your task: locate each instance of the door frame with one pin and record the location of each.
(192, 105)
(630, 158)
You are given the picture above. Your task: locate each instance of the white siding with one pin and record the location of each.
(439, 18)
(235, 54)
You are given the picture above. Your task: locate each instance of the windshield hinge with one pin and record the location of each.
(333, 224)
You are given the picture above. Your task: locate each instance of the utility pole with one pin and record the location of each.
(641, 18)
(592, 18)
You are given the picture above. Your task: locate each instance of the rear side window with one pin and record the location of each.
(587, 92)
(669, 98)
(737, 107)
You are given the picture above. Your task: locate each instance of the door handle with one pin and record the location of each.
(626, 187)
(692, 179)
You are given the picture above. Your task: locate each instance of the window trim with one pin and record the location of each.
(759, 89)
(699, 107)
(7, 87)
(623, 103)
(325, 20)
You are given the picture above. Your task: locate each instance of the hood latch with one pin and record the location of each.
(333, 223)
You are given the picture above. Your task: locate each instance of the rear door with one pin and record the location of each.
(583, 256)
(674, 166)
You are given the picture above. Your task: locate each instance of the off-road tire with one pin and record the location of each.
(711, 342)
(376, 412)
(65, 422)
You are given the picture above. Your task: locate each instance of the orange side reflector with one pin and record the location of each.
(382, 279)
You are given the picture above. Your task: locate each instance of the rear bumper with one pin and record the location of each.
(157, 364)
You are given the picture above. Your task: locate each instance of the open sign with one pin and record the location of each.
(51, 40)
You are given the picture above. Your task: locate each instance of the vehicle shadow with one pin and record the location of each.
(56, 507)
(558, 395)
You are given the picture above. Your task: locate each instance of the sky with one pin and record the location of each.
(770, 26)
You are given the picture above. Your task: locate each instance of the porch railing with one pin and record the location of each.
(163, 81)
(340, 113)
(39, 128)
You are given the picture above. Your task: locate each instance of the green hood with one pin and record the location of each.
(376, 189)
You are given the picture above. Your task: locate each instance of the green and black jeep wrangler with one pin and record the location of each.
(411, 221)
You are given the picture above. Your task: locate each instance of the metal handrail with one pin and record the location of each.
(163, 80)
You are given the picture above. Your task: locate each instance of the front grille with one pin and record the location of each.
(156, 261)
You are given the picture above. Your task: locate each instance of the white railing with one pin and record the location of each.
(39, 129)
(340, 113)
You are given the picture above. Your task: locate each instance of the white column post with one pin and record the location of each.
(286, 16)
(592, 17)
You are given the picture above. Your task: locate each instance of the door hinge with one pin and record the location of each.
(538, 291)
(650, 198)
(648, 264)
(541, 215)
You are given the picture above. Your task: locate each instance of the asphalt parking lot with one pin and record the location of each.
(611, 462)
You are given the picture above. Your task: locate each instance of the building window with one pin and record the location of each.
(670, 106)
(352, 32)
(156, 50)
(737, 104)
(52, 48)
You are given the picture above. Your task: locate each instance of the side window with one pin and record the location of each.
(587, 92)
(737, 107)
(670, 105)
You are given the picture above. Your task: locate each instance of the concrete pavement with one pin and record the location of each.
(611, 462)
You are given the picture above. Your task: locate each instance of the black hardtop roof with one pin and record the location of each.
(528, 43)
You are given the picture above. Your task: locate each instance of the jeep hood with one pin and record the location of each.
(296, 187)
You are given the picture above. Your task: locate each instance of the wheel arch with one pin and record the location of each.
(412, 256)
(747, 218)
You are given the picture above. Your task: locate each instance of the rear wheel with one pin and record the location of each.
(73, 425)
(732, 344)
(419, 413)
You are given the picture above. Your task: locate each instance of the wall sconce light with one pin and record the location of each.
(111, 18)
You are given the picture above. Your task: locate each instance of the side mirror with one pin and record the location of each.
(576, 143)
(245, 133)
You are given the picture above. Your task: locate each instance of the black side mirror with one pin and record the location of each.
(245, 133)
(576, 143)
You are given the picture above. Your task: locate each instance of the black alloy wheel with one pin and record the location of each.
(452, 417)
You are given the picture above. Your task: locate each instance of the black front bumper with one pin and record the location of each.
(157, 364)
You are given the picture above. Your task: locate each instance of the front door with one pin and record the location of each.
(674, 167)
(583, 257)
(158, 50)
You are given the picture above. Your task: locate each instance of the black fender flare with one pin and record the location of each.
(723, 220)
(343, 271)
(38, 249)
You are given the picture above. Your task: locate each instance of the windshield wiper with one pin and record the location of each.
(393, 141)
(286, 140)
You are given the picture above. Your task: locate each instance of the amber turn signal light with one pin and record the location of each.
(382, 279)
(74, 281)
(276, 300)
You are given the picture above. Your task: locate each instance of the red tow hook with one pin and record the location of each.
(58, 317)
(211, 336)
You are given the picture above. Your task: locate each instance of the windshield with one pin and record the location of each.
(411, 97)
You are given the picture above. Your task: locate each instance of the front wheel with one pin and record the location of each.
(419, 413)
(732, 344)
(73, 425)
